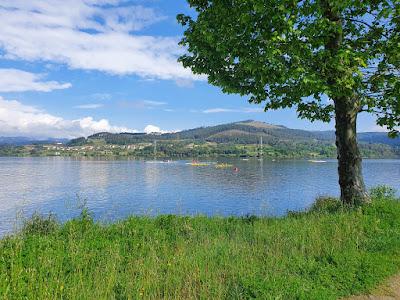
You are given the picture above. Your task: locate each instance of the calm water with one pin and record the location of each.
(115, 189)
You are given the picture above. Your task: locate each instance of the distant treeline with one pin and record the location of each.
(187, 149)
(240, 139)
(246, 132)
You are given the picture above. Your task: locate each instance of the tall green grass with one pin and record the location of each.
(327, 253)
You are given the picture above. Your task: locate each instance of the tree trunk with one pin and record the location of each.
(346, 109)
(351, 181)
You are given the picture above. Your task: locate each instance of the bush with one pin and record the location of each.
(326, 205)
(383, 191)
(39, 224)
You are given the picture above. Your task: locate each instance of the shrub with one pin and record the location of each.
(39, 224)
(326, 205)
(250, 219)
(383, 191)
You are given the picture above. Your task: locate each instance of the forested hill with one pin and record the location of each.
(244, 132)
(21, 141)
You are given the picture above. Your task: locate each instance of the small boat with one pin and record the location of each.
(317, 161)
(223, 166)
(199, 164)
(159, 161)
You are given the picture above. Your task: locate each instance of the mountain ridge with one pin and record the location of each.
(22, 140)
(241, 132)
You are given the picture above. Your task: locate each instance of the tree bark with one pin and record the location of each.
(351, 181)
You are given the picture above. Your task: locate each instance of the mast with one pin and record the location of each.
(155, 148)
(261, 146)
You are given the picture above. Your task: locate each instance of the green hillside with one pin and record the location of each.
(239, 139)
(244, 132)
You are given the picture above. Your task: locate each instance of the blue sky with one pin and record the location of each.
(70, 68)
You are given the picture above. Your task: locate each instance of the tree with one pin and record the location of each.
(328, 58)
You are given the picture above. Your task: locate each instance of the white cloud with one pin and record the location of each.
(129, 19)
(151, 129)
(141, 104)
(90, 35)
(17, 119)
(154, 129)
(89, 106)
(13, 80)
(232, 110)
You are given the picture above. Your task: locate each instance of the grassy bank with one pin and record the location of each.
(327, 253)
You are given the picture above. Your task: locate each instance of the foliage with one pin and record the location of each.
(326, 205)
(315, 255)
(39, 224)
(193, 149)
(240, 139)
(383, 191)
(300, 53)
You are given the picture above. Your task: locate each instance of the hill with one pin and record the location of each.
(21, 141)
(238, 139)
(364, 137)
(243, 132)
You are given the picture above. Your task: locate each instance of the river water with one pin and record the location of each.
(114, 189)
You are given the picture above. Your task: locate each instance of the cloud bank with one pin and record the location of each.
(17, 119)
(90, 35)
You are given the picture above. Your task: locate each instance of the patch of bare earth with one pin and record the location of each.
(390, 290)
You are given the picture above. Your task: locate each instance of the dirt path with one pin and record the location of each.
(390, 290)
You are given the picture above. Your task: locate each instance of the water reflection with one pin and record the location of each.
(116, 189)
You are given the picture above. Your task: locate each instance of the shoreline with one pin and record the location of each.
(201, 158)
(329, 252)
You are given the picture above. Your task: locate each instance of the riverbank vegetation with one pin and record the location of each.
(240, 139)
(325, 253)
(191, 149)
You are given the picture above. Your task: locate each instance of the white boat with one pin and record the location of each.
(317, 161)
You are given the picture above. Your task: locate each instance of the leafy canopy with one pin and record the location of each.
(277, 52)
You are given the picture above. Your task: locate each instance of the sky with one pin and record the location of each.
(72, 68)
